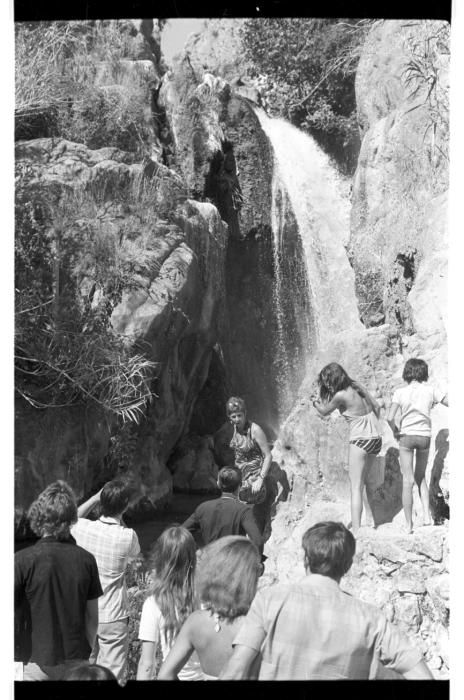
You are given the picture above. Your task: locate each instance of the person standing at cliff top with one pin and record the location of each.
(59, 582)
(252, 456)
(312, 630)
(113, 546)
(414, 401)
(225, 515)
(338, 391)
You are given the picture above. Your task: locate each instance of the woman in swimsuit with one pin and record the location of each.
(226, 581)
(252, 456)
(360, 409)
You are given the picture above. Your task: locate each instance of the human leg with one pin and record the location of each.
(422, 457)
(356, 469)
(370, 464)
(406, 465)
(113, 645)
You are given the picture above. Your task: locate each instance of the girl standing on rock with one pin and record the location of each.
(170, 602)
(415, 402)
(361, 410)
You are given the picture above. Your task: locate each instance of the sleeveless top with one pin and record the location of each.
(249, 459)
(364, 427)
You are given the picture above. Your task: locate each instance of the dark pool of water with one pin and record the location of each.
(182, 505)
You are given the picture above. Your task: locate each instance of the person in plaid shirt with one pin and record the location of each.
(113, 546)
(312, 630)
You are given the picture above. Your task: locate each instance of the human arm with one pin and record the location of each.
(91, 621)
(89, 504)
(260, 437)
(420, 672)
(146, 665)
(192, 524)
(397, 652)
(250, 526)
(149, 635)
(392, 411)
(248, 641)
(327, 407)
(239, 665)
(179, 654)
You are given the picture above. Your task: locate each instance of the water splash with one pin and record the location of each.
(304, 177)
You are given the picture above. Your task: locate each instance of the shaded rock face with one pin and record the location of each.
(171, 310)
(226, 157)
(68, 444)
(177, 316)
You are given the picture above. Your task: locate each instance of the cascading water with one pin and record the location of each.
(306, 187)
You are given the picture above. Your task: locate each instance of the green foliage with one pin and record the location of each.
(63, 64)
(428, 51)
(306, 68)
(71, 269)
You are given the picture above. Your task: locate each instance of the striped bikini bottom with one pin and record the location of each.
(370, 445)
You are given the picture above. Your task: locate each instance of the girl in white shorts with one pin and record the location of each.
(414, 401)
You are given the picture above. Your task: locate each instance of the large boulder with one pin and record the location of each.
(170, 308)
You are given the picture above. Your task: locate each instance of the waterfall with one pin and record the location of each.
(307, 188)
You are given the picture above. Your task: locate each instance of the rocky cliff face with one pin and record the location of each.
(398, 252)
(172, 309)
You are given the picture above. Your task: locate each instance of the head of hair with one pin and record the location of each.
(415, 369)
(88, 672)
(329, 549)
(115, 497)
(332, 378)
(227, 576)
(229, 479)
(234, 405)
(172, 562)
(53, 511)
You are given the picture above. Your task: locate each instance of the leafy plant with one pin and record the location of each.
(57, 69)
(428, 50)
(70, 272)
(305, 69)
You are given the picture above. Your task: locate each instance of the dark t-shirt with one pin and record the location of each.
(55, 579)
(224, 516)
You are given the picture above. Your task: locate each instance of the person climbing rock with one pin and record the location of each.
(338, 391)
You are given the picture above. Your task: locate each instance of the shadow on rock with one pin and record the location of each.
(438, 504)
(385, 500)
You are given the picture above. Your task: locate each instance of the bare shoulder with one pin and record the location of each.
(341, 399)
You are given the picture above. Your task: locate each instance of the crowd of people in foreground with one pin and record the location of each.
(203, 612)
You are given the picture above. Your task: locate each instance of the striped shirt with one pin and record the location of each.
(312, 630)
(113, 546)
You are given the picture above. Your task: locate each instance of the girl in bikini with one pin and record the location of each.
(361, 410)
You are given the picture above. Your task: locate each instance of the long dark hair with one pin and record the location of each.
(173, 561)
(332, 378)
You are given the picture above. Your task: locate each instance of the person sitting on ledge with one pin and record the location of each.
(312, 630)
(225, 515)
